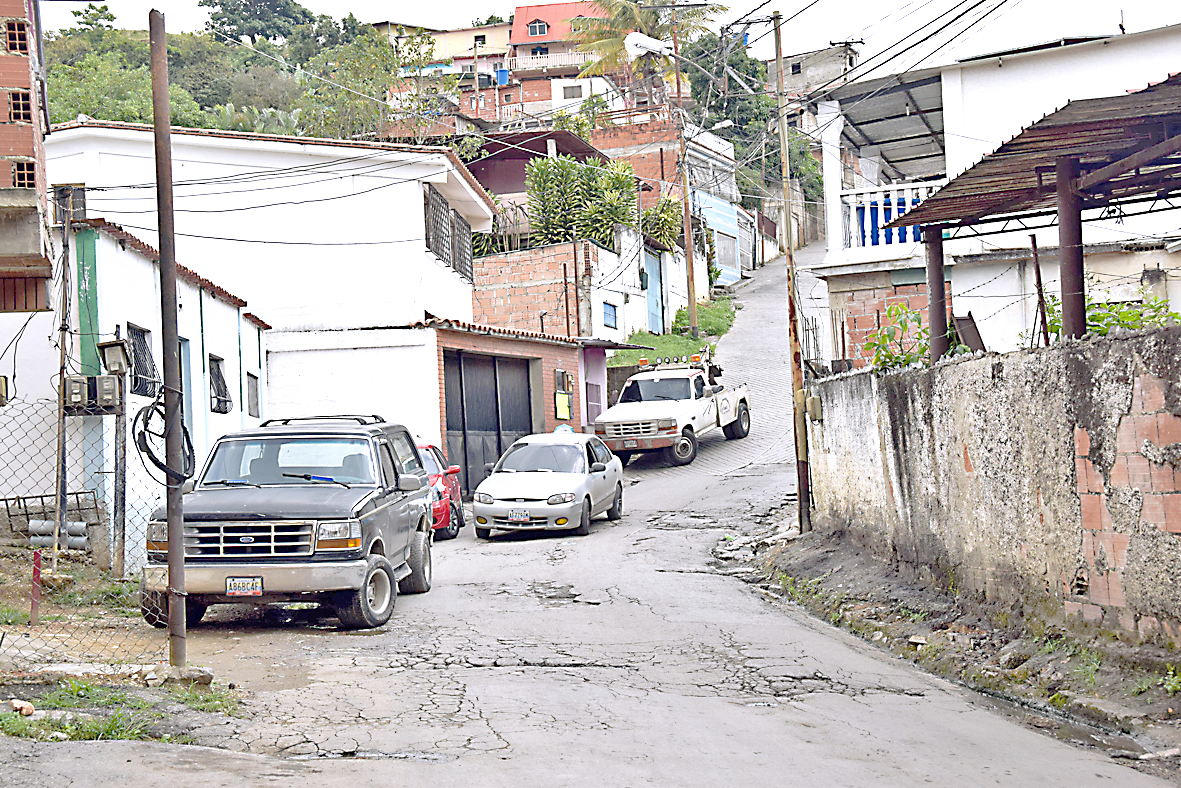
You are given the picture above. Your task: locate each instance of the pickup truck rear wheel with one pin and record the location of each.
(740, 427)
(684, 449)
(421, 571)
(153, 606)
(372, 604)
(624, 457)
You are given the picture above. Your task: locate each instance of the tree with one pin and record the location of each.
(491, 20)
(105, 86)
(255, 19)
(569, 199)
(308, 40)
(603, 36)
(422, 90)
(94, 17)
(352, 102)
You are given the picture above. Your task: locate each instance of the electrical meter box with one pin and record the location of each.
(93, 395)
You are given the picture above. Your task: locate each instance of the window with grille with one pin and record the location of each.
(24, 174)
(461, 246)
(17, 34)
(20, 106)
(145, 380)
(480, 40)
(572, 92)
(438, 224)
(538, 28)
(220, 400)
(252, 408)
(539, 51)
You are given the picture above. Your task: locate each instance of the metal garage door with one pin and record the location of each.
(488, 407)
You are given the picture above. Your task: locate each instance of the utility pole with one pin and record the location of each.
(61, 481)
(173, 435)
(687, 217)
(803, 493)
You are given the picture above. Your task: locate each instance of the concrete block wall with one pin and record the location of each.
(512, 289)
(864, 312)
(1034, 477)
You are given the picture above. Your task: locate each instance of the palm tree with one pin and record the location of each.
(603, 35)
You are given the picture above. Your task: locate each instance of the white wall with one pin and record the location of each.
(390, 372)
(591, 86)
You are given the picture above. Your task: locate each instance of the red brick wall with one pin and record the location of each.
(652, 149)
(1140, 465)
(552, 356)
(513, 288)
(865, 312)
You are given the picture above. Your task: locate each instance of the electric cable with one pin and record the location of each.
(142, 430)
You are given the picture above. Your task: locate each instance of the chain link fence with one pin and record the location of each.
(73, 597)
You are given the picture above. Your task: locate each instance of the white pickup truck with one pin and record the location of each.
(666, 407)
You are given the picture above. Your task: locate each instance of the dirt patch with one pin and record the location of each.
(1064, 673)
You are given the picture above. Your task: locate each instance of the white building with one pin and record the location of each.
(333, 240)
(889, 142)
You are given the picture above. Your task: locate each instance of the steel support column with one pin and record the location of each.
(936, 295)
(1070, 248)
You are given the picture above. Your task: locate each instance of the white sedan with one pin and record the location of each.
(550, 481)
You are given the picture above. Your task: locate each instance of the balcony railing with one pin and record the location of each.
(865, 212)
(542, 62)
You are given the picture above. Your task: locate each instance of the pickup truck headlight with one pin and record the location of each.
(666, 424)
(560, 498)
(483, 498)
(600, 429)
(157, 536)
(338, 535)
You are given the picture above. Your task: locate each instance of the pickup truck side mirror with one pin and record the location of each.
(598, 467)
(716, 389)
(409, 483)
(453, 470)
(488, 466)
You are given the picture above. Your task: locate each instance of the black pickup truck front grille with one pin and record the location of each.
(240, 539)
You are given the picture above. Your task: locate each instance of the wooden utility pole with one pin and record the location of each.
(173, 435)
(686, 215)
(793, 332)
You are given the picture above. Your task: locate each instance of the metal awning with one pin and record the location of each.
(1128, 150)
(902, 117)
(609, 344)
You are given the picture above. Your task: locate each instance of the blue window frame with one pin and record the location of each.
(609, 317)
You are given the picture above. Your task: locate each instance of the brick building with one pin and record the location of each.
(858, 307)
(25, 268)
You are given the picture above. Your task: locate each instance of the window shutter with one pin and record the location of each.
(461, 246)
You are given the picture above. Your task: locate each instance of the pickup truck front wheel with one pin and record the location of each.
(372, 604)
(684, 449)
(740, 427)
(153, 606)
(419, 579)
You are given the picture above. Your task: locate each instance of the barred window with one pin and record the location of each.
(24, 174)
(17, 33)
(461, 246)
(252, 408)
(438, 225)
(20, 106)
(145, 380)
(220, 400)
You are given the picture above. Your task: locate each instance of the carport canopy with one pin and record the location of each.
(1127, 148)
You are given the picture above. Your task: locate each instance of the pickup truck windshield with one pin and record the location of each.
(543, 457)
(658, 389)
(284, 460)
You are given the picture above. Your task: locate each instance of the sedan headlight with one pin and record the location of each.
(157, 536)
(667, 424)
(483, 498)
(560, 498)
(338, 535)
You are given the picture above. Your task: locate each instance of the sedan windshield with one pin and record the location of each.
(290, 461)
(658, 389)
(542, 458)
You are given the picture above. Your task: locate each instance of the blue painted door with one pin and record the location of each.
(655, 293)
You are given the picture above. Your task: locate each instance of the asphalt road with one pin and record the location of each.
(624, 658)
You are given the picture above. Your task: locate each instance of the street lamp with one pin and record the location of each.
(114, 356)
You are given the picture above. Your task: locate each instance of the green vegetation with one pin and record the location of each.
(569, 199)
(78, 694)
(1103, 318)
(902, 341)
(1171, 682)
(10, 616)
(212, 698)
(121, 596)
(664, 221)
(713, 320)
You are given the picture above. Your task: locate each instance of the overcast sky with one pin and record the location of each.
(1016, 23)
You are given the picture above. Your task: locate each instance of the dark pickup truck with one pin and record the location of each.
(330, 509)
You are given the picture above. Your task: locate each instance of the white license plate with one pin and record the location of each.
(518, 515)
(630, 444)
(243, 586)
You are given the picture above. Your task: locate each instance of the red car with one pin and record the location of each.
(444, 482)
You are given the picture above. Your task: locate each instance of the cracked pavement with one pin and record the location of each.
(625, 658)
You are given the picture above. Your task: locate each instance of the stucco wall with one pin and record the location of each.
(1018, 478)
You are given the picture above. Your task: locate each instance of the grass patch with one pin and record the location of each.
(1088, 666)
(713, 320)
(11, 616)
(118, 726)
(75, 694)
(121, 596)
(211, 699)
(1171, 682)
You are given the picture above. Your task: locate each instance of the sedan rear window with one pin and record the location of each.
(428, 462)
(658, 389)
(543, 457)
(285, 460)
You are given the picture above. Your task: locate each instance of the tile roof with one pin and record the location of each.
(509, 333)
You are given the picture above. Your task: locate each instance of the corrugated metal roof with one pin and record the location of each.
(1018, 177)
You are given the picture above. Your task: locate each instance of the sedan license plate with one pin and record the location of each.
(518, 515)
(243, 586)
(629, 444)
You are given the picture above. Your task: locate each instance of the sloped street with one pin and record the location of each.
(626, 658)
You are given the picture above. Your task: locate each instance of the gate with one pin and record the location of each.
(655, 293)
(489, 405)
